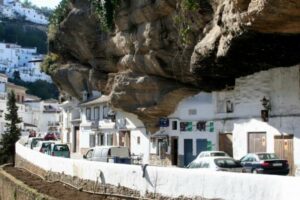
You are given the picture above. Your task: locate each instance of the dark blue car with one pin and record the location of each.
(264, 163)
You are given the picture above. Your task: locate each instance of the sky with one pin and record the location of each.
(45, 3)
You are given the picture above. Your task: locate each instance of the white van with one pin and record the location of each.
(113, 154)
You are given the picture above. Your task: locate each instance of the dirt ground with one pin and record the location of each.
(56, 190)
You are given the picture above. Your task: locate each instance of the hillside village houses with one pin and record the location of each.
(26, 61)
(13, 8)
(39, 115)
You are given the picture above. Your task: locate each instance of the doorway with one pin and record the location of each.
(225, 143)
(124, 139)
(174, 150)
(284, 149)
(75, 139)
(257, 142)
(188, 151)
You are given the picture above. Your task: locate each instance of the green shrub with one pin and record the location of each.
(50, 63)
(60, 13)
(184, 9)
(104, 11)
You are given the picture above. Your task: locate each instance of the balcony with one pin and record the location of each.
(95, 125)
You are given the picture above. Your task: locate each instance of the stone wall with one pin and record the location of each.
(11, 188)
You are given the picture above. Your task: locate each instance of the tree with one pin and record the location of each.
(12, 132)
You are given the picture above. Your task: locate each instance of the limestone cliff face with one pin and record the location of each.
(146, 68)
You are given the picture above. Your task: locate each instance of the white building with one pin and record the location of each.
(70, 121)
(266, 112)
(12, 8)
(185, 133)
(9, 56)
(32, 72)
(94, 123)
(24, 60)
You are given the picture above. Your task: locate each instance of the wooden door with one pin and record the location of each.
(284, 149)
(225, 143)
(257, 142)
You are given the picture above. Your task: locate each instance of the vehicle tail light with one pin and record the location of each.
(265, 164)
(286, 163)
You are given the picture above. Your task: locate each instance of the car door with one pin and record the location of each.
(246, 162)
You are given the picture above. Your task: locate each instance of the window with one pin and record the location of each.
(89, 154)
(162, 148)
(229, 106)
(174, 125)
(201, 126)
(186, 126)
(109, 139)
(138, 140)
(92, 140)
(192, 112)
(105, 112)
(88, 114)
(96, 113)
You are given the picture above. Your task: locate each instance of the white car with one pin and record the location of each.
(212, 154)
(222, 163)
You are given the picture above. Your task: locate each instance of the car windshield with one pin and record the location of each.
(267, 156)
(61, 148)
(217, 154)
(227, 163)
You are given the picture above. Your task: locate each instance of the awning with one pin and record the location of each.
(30, 125)
(160, 134)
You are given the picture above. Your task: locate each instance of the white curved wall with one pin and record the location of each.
(173, 182)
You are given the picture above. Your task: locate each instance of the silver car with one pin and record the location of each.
(226, 164)
(212, 154)
(113, 154)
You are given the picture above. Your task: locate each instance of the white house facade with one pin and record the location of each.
(265, 114)
(185, 133)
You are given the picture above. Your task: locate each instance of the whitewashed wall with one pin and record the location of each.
(282, 87)
(172, 182)
(137, 129)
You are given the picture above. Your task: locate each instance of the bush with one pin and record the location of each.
(50, 63)
(104, 11)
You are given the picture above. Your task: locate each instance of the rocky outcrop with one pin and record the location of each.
(162, 51)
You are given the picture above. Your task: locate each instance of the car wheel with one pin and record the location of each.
(254, 171)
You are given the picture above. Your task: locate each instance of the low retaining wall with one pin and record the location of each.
(11, 188)
(170, 182)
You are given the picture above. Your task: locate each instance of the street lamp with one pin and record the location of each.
(266, 103)
(265, 112)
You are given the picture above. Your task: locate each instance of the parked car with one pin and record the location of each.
(50, 136)
(264, 163)
(220, 163)
(114, 154)
(212, 154)
(32, 142)
(42, 146)
(59, 150)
